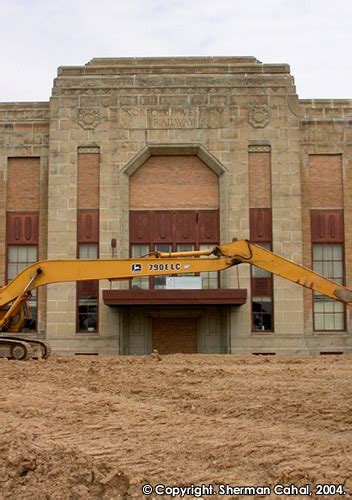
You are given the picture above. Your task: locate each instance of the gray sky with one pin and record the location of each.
(313, 36)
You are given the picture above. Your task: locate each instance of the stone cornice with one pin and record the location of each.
(24, 112)
(173, 65)
(171, 68)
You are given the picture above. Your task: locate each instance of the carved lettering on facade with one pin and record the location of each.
(172, 117)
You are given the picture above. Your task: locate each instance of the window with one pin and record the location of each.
(173, 231)
(18, 258)
(262, 310)
(210, 279)
(185, 247)
(87, 293)
(160, 281)
(87, 314)
(328, 261)
(88, 251)
(257, 272)
(262, 297)
(138, 250)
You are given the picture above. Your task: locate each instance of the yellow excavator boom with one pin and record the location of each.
(14, 295)
(159, 263)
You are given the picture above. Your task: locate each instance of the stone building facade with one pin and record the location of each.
(132, 155)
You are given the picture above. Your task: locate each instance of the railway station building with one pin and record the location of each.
(132, 155)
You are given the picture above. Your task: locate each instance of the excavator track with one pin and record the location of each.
(37, 349)
(15, 349)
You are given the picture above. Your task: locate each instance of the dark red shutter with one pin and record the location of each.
(262, 287)
(88, 226)
(186, 226)
(22, 228)
(327, 226)
(163, 227)
(88, 288)
(174, 226)
(140, 226)
(208, 226)
(260, 224)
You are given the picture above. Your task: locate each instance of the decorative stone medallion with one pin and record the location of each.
(259, 116)
(89, 118)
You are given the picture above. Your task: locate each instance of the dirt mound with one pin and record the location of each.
(29, 470)
(95, 428)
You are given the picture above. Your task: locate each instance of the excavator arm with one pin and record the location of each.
(245, 251)
(159, 263)
(58, 271)
(14, 296)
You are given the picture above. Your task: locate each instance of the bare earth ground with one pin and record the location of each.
(95, 427)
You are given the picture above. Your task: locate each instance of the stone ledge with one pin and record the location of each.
(24, 112)
(116, 61)
(319, 121)
(331, 103)
(173, 65)
(127, 70)
(325, 110)
(10, 106)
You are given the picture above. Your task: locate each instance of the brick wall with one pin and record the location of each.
(88, 180)
(174, 182)
(23, 184)
(259, 180)
(325, 181)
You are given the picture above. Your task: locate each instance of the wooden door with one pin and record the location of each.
(175, 335)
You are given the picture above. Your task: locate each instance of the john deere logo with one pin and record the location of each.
(136, 268)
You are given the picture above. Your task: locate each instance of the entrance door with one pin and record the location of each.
(175, 335)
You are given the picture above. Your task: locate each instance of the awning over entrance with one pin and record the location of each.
(221, 296)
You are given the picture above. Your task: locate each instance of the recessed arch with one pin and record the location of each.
(173, 150)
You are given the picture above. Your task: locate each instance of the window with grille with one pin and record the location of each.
(87, 293)
(209, 279)
(262, 297)
(262, 311)
(173, 231)
(328, 261)
(18, 258)
(139, 250)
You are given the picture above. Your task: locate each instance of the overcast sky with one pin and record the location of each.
(313, 36)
